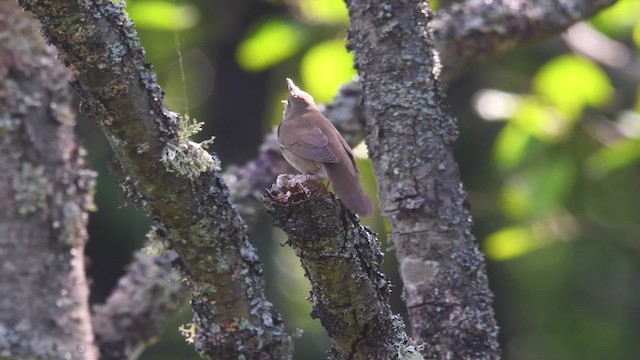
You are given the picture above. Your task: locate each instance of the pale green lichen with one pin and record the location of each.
(189, 331)
(142, 148)
(409, 352)
(188, 127)
(155, 245)
(31, 189)
(186, 157)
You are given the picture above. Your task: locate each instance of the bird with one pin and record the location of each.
(313, 145)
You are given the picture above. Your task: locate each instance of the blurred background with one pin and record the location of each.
(548, 149)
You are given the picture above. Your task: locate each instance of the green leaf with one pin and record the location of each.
(324, 11)
(613, 157)
(618, 19)
(269, 43)
(571, 83)
(163, 15)
(325, 67)
(540, 120)
(510, 243)
(510, 147)
(636, 35)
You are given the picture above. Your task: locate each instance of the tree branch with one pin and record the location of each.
(175, 180)
(136, 309)
(341, 260)
(46, 191)
(469, 32)
(409, 140)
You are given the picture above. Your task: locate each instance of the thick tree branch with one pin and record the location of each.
(472, 31)
(409, 138)
(176, 181)
(341, 260)
(46, 191)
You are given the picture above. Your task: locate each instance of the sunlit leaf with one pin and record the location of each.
(619, 18)
(510, 147)
(636, 35)
(544, 122)
(271, 42)
(614, 156)
(325, 67)
(571, 83)
(510, 243)
(163, 15)
(324, 11)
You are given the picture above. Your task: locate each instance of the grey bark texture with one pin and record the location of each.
(135, 311)
(409, 137)
(341, 259)
(471, 31)
(46, 191)
(465, 34)
(173, 179)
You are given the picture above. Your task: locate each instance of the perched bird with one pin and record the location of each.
(312, 145)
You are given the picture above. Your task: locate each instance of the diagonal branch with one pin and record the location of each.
(341, 259)
(173, 179)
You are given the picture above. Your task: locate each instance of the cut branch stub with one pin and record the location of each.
(341, 260)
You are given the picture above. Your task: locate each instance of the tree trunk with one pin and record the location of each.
(46, 191)
(409, 137)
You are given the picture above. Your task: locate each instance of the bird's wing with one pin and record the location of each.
(347, 148)
(314, 145)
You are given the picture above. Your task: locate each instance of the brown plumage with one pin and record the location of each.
(312, 145)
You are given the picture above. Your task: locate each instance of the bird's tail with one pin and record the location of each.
(349, 189)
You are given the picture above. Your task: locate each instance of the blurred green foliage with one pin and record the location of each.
(271, 42)
(549, 152)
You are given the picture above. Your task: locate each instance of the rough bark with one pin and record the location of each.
(135, 311)
(172, 178)
(341, 259)
(409, 137)
(46, 191)
(472, 31)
